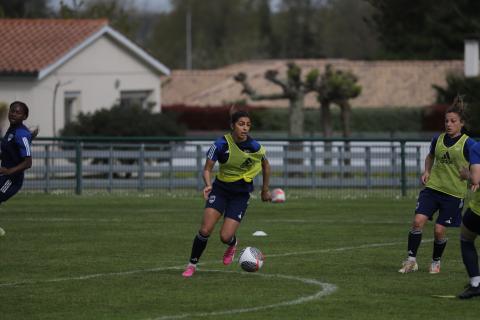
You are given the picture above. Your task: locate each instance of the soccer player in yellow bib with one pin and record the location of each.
(241, 158)
(444, 189)
(471, 228)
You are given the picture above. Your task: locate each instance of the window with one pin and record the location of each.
(134, 98)
(71, 103)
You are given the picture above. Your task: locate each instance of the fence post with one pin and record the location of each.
(368, 164)
(313, 164)
(403, 168)
(170, 167)
(141, 168)
(199, 168)
(285, 165)
(78, 167)
(110, 168)
(47, 169)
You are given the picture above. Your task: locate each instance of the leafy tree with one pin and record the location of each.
(119, 17)
(297, 29)
(24, 9)
(222, 32)
(469, 88)
(344, 31)
(337, 87)
(425, 29)
(293, 88)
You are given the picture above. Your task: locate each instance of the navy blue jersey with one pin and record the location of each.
(219, 152)
(450, 142)
(15, 146)
(475, 154)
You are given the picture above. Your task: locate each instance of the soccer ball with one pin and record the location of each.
(278, 195)
(250, 259)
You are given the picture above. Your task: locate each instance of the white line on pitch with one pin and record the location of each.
(327, 288)
(125, 273)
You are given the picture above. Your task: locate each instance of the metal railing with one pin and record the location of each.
(308, 166)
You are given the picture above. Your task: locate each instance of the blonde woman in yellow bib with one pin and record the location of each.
(444, 189)
(241, 158)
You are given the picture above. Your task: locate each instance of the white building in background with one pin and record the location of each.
(61, 67)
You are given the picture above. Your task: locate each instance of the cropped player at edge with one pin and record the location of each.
(16, 155)
(444, 190)
(471, 228)
(241, 158)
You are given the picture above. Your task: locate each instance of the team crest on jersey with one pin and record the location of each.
(211, 199)
(446, 158)
(247, 163)
(10, 137)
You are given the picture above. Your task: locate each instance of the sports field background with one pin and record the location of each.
(121, 256)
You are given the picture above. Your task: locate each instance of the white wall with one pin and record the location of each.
(94, 72)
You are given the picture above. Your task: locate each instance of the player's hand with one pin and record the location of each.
(206, 192)
(266, 196)
(474, 187)
(34, 131)
(4, 171)
(425, 177)
(464, 173)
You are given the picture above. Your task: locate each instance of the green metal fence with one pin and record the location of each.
(310, 167)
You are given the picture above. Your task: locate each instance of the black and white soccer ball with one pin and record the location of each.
(251, 259)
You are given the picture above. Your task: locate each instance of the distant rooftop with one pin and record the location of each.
(384, 83)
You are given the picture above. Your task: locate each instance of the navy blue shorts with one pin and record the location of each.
(471, 220)
(230, 204)
(449, 207)
(9, 187)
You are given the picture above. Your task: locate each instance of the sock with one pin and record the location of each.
(414, 240)
(438, 248)
(470, 258)
(199, 244)
(475, 281)
(232, 241)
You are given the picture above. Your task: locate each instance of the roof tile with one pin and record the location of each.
(29, 45)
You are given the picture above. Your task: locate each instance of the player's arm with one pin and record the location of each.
(207, 177)
(474, 176)
(34, 132)
(429, 159)
(266, 196)
(22, 166)
(23, 143)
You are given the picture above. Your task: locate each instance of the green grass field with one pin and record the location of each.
(121, 257)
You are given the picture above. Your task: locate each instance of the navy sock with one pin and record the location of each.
(438, 248)
(232, 241)
(199, 244)
(470, 258)
(414, 240)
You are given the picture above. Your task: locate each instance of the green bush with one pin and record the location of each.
(123, 121)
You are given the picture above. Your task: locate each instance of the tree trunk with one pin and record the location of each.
(326, 120)
(295, 129)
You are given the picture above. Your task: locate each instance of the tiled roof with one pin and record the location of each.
(384, 83)
(29, 45)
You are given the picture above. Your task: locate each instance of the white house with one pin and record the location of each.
(61, 67)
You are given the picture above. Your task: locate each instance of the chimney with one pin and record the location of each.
(471, 57)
